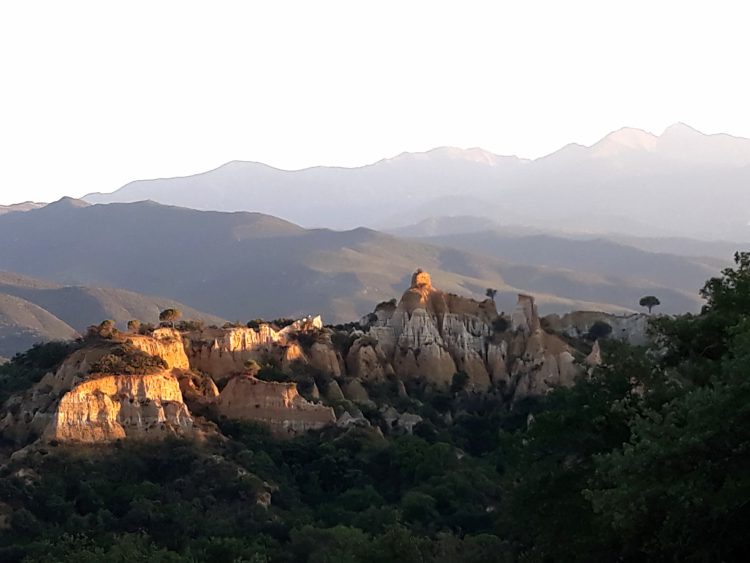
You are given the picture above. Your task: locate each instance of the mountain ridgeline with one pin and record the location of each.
(33, 310)
(680, 183)
(249, 265)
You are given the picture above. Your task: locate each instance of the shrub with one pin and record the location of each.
(500, 324)
(599, 329)
(127, 360)
(190, 326)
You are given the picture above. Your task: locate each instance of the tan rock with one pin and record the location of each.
(595, 357)
(118, 406)
(223, 352)
(526, 317)
(165, 343)
(278, 405)
(323, 356)
(367, 360)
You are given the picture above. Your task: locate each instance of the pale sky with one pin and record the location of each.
(96, 94)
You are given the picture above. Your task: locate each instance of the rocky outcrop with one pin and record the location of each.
(632, 329)
(223, 352)
(540, 361)
(432, 335)
(595, 356)
(165, 343)
(278, 405)
(395, 421)
(367, 361)
(114, 407)
(428, 336)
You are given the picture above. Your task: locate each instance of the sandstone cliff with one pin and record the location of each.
(113, 407)
(72, 404)
(278, 405)
(165, 343)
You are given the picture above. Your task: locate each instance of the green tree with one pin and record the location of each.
(170, 316)
(649, 301)
(134, 326)
(599, 329)
(459, 382)
(679, 489)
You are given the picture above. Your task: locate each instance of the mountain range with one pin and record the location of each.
(241, 266)
(682, 183)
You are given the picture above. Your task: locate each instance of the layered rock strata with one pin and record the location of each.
(431, 335)
(114, 407)
(277, 405)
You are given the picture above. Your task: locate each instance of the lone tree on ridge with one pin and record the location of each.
(649, 301)
(170, 316)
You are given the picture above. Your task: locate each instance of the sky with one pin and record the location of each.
(97, 94)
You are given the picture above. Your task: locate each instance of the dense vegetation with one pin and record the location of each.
(646, 460)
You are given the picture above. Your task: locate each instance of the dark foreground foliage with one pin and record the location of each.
(646, 460)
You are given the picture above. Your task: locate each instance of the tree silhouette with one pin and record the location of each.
(649, 301)
(491, 292)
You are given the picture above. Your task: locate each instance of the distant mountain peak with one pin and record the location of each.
(67, 202)
(625, 139)
(473, 154)
(682, 129)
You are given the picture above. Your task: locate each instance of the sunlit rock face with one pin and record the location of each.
(118, 406)
(432, 335)
(223, 352)
(277, 405)
(72, 404)
(165, 343)
(427, 337)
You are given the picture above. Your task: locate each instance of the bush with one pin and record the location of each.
(126, 360)
(598, 330)
(500, 324)
(255, 324)
(190, 326)
(106, 330)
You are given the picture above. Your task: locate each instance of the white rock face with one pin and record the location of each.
(432, 335)
(632, 329)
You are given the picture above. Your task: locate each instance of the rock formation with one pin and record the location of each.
(632, 329)
(427, 337)
(76, 404)
(166, 343)
(278, 405)
(432, 335)
(113, 407)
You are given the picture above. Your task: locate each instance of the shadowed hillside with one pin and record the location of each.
(33, 310)
(246, 265)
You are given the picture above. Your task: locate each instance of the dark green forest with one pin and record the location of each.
(646, 459)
